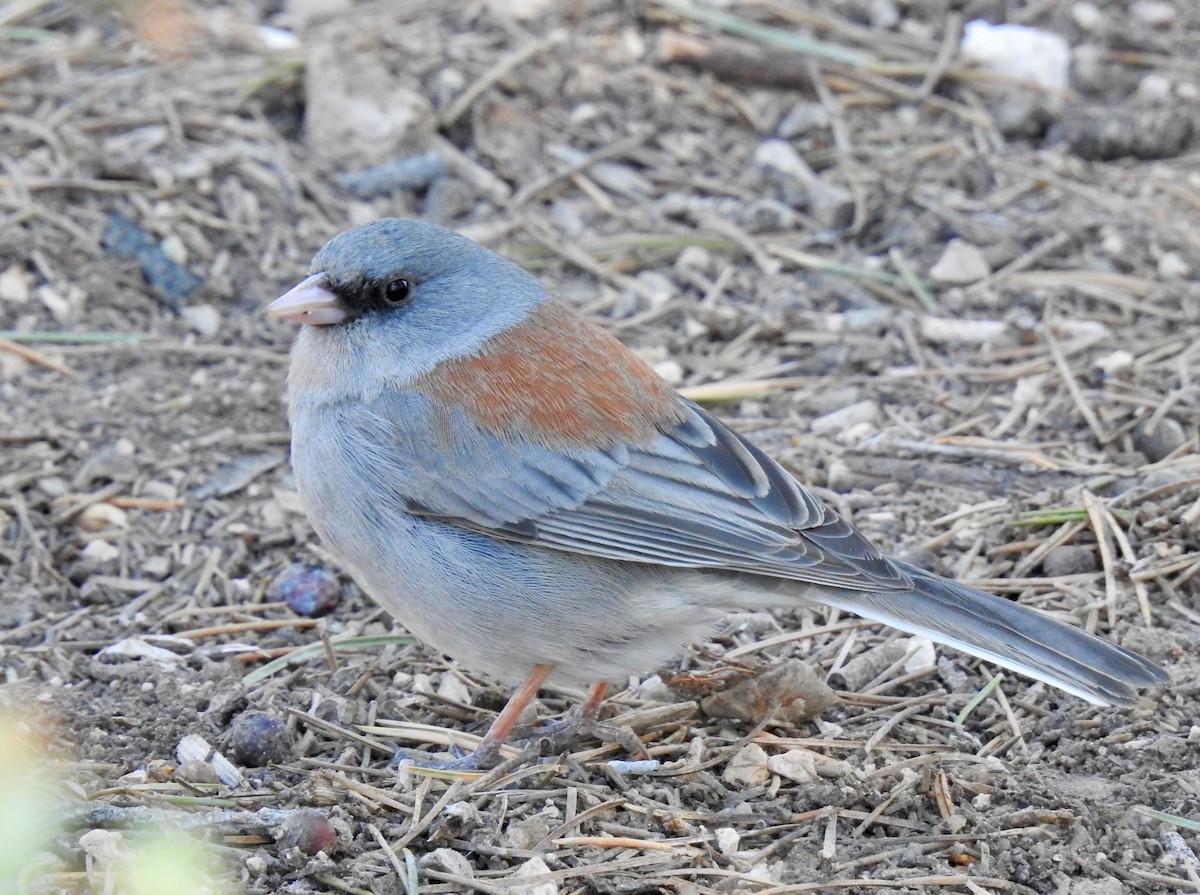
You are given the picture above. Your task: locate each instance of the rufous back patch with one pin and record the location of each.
(559, 379)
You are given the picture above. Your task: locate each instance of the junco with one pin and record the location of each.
(530, 498)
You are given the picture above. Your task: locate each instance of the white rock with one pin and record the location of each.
(449, 861)
(451, 687)
(100, 516)
(1172, 266)
(1155, 13)
(846, 417)
(1087, 16)
(1114, 362)
(204, 319)
(1018, 52)
(961, 263)
(669, 370)
(728, 840)
(796, 764)
(921, 654)
(1154, 88)
(14, 285)
(748, 767)
(947, 329)
(522, 10)
(531, 869)
(778, 155)
(99, 551)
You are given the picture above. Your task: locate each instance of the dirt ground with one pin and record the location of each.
(960, 306)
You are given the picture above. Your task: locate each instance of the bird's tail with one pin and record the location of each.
(1008, 634)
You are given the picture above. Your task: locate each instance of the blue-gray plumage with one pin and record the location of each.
(527, 496)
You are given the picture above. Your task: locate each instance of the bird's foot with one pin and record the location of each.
(483, 757)
(560, 733)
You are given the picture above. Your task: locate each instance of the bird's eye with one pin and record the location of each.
(396, 292)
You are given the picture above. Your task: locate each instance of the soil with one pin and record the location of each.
(960, 306)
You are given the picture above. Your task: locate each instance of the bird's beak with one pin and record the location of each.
(308, 302)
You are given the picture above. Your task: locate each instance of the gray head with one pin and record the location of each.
(407, 295)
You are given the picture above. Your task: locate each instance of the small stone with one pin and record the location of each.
(883, 14)
(53, 486)
(1087, 16)
(196, 771)
(727, 839)
(803, 118)
(204, 319)
(99, 552)
(780, 158)
(174, 249)
(257, 739)
(308, 589)
(532, 869)
(1069, 559)
(961, 263)
(1172, 266)
(447, 860)
(694, 258)
(256, 865)
(670, 370)
(156, 566)
(101, 517)
(450, 686)
(1165, 438)
(526, 833)
(14, 285)
(1154, 88)
(748, 767)
(309, 830)
(1154, 13)
(796, 764)
(840, 420)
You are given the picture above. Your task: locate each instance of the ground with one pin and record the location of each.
(959, 305)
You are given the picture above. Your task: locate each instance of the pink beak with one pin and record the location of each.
(308, 302)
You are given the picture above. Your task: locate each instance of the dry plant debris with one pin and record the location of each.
(964, 308)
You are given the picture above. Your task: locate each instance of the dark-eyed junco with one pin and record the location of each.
(530, 498)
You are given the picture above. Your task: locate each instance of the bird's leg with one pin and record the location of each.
(488, 751)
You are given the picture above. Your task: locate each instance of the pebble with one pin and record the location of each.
(195, 770)
(257, 739)
(204, 319)
(1155, 13)
(308, 589)
(804, 117)
(727, 839)
(1069, 559)
(449, 861)
(532, 869)
(14, 285)
(1087, 16)
(99, 552)
(102, 516)
(961, 263)
(1172, 266)
(748, 767)
(1166, 437)
(307, 829)
(796, 764)
(1154, 88)
(845, 417)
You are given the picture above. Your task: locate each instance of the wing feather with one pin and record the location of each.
(699, 496)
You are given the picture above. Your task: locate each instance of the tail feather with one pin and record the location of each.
(1004, 632)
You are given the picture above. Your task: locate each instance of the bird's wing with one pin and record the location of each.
(697, 495)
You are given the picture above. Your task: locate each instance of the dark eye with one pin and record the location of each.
(396, 292)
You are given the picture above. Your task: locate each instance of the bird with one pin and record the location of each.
(527, 496)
